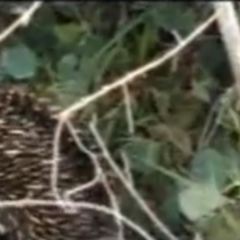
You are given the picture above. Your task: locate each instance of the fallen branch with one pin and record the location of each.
(23, 20)
(138, 72)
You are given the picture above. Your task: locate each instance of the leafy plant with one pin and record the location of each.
(19, 62)
(76, 49)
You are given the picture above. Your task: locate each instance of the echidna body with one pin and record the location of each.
(26, 134)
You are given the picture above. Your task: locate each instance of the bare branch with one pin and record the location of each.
(129, 114)
(158, 223)
(229, 28)
(77, 205)
(138, 72)
(23, 20)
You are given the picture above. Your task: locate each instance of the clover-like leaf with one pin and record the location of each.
(199, 200)
(19, 61)
(142, 152)
(210, 166)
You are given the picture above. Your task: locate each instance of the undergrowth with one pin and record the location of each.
(183, 142)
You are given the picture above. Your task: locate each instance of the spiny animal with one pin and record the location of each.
(26, 134)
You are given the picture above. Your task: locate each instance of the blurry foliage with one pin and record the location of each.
(71, 49)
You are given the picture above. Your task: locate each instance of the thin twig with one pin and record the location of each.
(64, 115)
(97, 168)
(56, 158)
(229, 28)
(23, 20)
(129, 114)
(164, 229)
(77, 205)
(99, 177)
(208, 124)
(127, 167)
(138, 72)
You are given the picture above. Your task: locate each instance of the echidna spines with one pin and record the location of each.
(26, 134)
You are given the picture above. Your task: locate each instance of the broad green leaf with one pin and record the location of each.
(68, 33)
(88, 69)
(142, 152)
(174, 16)
(67, 67)
(40, 34)
(90, 45)
(199, 200)
(19, 61)
(120, 58)
(210, 166)
(71, 69)
(75, 77)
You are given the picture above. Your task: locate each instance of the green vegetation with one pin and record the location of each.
(184, 152)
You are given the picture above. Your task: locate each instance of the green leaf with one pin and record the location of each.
(210, 166)
(162, 102)
(75, 77)
(2, 74)
(68, 33)
(88, 70)
(199, 200)
(19, 61)
(40, 36)
(170, 209)
(90, 45)
(222, 225)
(175, 135)
(201, 90)
(142, 152)
(67, 67)
(174, 16)
(185, 110)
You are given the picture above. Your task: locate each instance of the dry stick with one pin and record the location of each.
(207, 126)
(78, 205)
(138, 72)
(23, 20)
(120, 82)
(229, 28)
(99, 177)
(158, 223)
(129, 114)
(65, 203)
(56, 158)
(98, 172)
(127, 167)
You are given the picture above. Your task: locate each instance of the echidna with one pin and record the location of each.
(26, 133)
